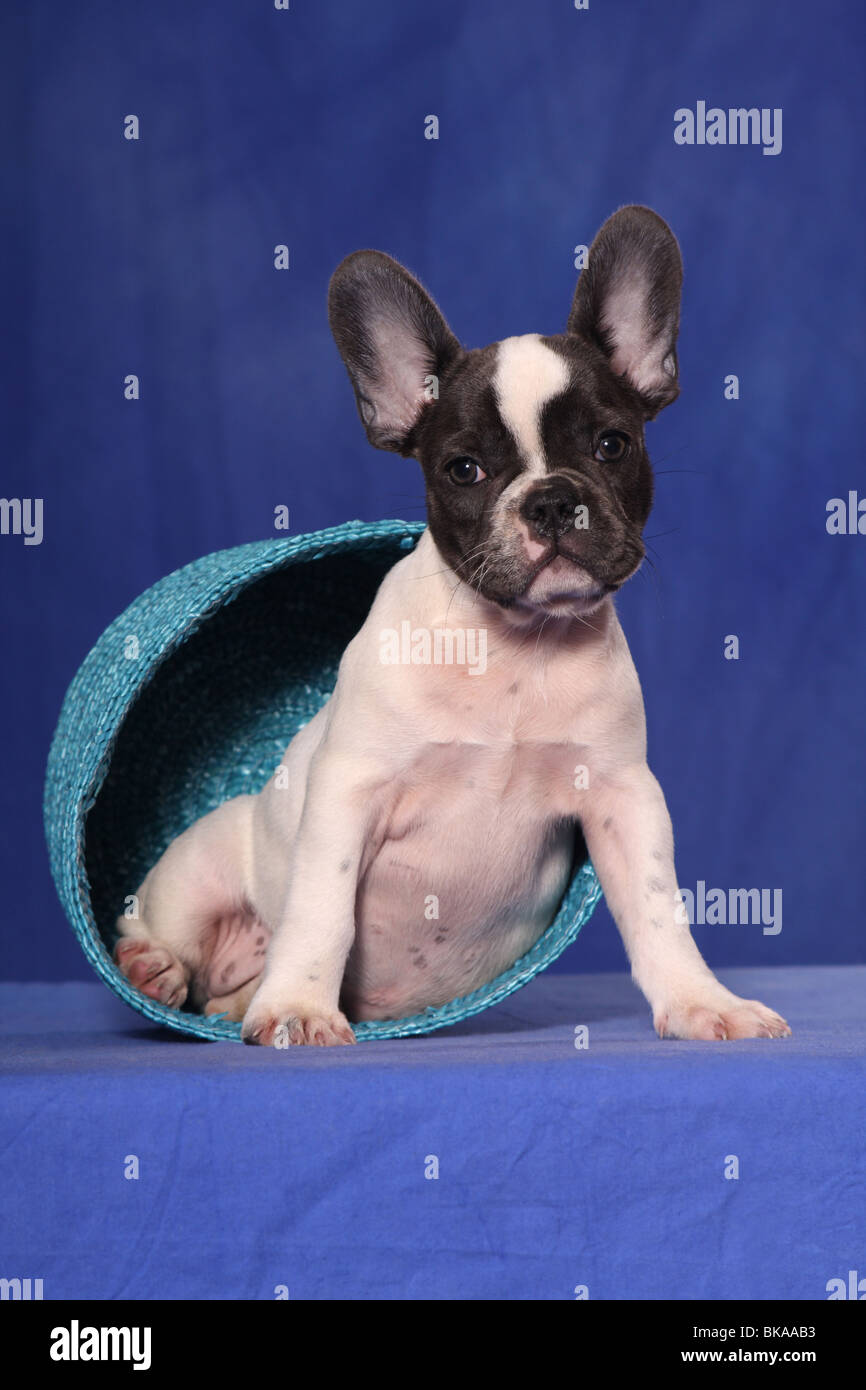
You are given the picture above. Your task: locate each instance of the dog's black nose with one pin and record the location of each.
(549, 509)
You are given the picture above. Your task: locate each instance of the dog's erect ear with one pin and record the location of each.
(627, 302)
(392, 339)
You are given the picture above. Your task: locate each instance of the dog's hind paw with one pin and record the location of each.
(153, 969)
(233, 1005)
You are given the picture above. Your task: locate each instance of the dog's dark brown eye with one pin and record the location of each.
(611, 447)
(465, 471)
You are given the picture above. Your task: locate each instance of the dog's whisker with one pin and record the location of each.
(666, 472)
(658, 534)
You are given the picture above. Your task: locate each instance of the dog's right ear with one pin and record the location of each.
(392, 339)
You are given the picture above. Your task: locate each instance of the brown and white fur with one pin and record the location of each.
(421, 831)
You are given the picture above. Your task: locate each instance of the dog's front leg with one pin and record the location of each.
(630, 841)
(298, 998)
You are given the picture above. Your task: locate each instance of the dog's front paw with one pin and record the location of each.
(153, 969)
(719, 1019)
(281, 1026)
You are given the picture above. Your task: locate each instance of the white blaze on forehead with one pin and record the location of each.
(528, 374)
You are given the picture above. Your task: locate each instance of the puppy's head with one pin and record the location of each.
(538, 480)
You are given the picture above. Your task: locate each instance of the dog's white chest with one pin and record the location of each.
(471, 853)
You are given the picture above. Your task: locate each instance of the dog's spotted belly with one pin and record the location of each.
(447, 907)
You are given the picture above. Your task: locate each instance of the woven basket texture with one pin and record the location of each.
(190, 697)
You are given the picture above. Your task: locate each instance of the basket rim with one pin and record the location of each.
(207, 584)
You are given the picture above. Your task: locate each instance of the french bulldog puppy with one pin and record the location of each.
(422, 830)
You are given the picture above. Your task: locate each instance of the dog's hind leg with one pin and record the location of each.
(153, 969)
(195, 934)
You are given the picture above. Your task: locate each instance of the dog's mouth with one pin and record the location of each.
(553, 582)
(560, 582)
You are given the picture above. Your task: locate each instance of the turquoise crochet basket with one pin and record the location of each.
(190, 697)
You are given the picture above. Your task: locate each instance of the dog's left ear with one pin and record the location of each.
(394, 342)
(627, 302)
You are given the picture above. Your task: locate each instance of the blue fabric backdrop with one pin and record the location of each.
(609, 1167)
(306, 127)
